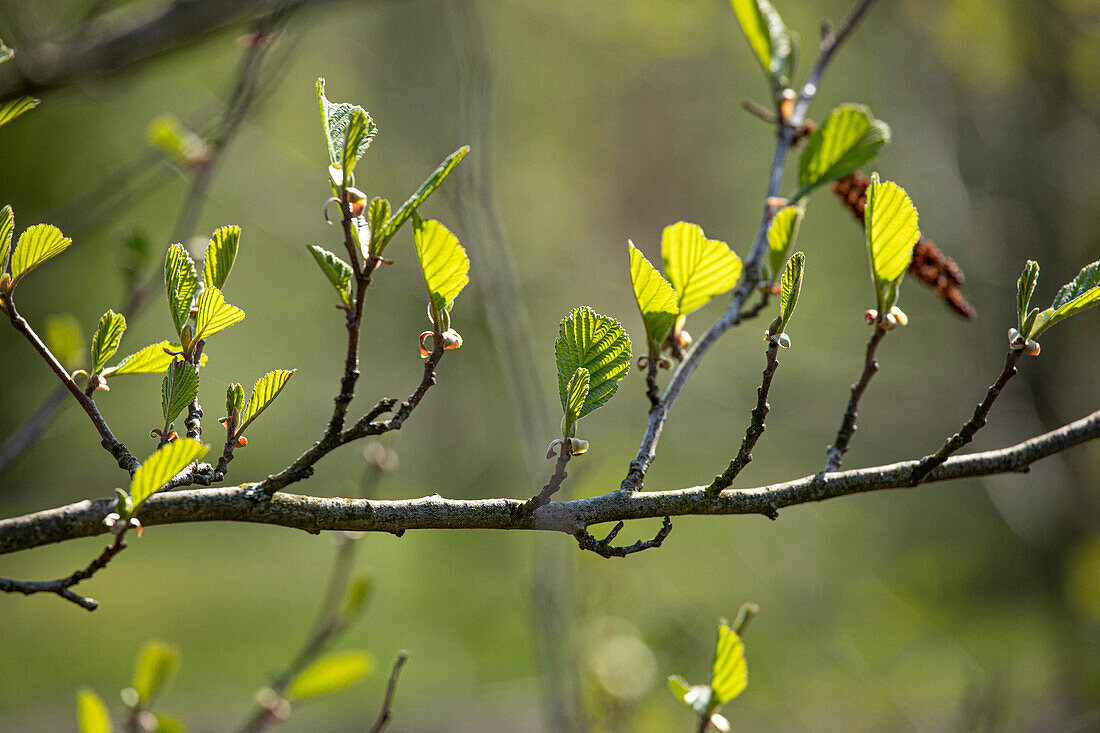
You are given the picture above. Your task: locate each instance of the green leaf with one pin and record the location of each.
(696, 697)
(106, 339)
(697, 268)
(157, 662)
(576, 393)
(150, 360)
(443, 262)
(377, 215)
(7, 226)
(848, 138)
(168, 724)
(167, 134)
(65, 339)
(264, 392)
(234, 399)
(781, 235)
(330, 675)
(220, 254)
(768, 37)
(180, 284)
(335, 119)
(5, 52)
(91, 713)
(792, 284)
(180, 386)
(729, 674)
(131, 254)
(359, 122)
(427, 188)
(1025, 286)
(163, 466)
(656, 299)
(594, 342)
(36, 245)
(14, 107)
(1075, 296)
(890, 223)
(336, 270)
(215, 314)
(356, 597)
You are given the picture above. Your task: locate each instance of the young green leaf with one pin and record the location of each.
(1075, 296)
(598, 344)
(91, 713)
(180, 386)
(234, 398)
(214, 314)
(168, 724)
(697, 268)
(768, 37)
(890, 224)
(336, 270)
(220, 254)
(163, 466)
(329, 675)
(1025, 286)
(359, 122)
(151, 360)
(656, 299)
(377, 215)
(180, 284)
(356, 597)
(65, 339)
(427, 188)
(443, 262)
(696, 697)
(792, 284)
(7, 226)
(576, 393)
(14, 107)
(156, 663)
(848, 138)
(781, 235)
(36, 245)
(335, 118)
(106, 339)
(729, 673)
(264, 392)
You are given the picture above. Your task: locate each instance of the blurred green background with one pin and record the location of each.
(972, 605)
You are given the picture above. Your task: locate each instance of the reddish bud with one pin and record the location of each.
(242, 442)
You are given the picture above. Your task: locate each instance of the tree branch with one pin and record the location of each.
(848, 422)
(391, 690)
(62, 586)
(315, 514)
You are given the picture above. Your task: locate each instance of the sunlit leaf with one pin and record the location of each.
(576, 393)
(335, 118)
(443, 262)
(434, 181)
(697, 268)
(781, 235)
(106, 339)
(234, 398)
(656, 299)
(336, 270)
(377, 215)
(792, 284)
(65, 338)
(36, 245)
(356, 597)
(91, 713)
(729, 674)
(768, 37)
(168, 724)
(214, 314)
(358, 127)
(890, 223)
(151, 360)
(594, 342)
(7, 226)
(157, 662)
(329, 675)
(848, 138)
(1075, 296)
(1025, 286)
(14, 107)
(180, 284)
(220, 254)
(163, 466)
(180, 386)
(264, 392)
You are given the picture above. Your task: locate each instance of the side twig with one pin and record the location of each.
(62, 586)
(391, 690)
(542, 498)
(848, 422)
(604, 548)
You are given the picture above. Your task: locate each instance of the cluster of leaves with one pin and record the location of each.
(13, 107)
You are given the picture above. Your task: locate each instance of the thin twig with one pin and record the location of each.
(542, 498)
(755, 429)
(848, 422)
(193, 421)
(391, 690)
(604, 548)
(973, 425)
(62, 586)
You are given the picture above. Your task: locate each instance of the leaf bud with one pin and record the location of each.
(775, 325)
(578, 446)
(889, 323)
(899, 314)
(786, 104)
(784, 340)
(664, 363)
(870, 316)
(683, 339)
(451, 340)
(186, 336)
(553, 449)
(242, 441)
(357, 201)
(1016, 339)
(1031, 347)
(5, 283)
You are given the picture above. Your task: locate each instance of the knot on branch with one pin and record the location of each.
(604, 548)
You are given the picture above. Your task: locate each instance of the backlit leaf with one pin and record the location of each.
(377, 215)
(768, 37)
(1025, 286)
(656, 299)
(220, 254)
(576, 393)
(1075, 296)
(359, 124)
(180, 386)
(848, 138)
(264, 392)
(167, 134)
(329, 675)
(163, 466)
(697, 268)
(434, 181)
(7, 226)
(792, 284)
(106, 339)
(180, 284)
(781, 235)
(729, 674)
(36, 245)
(150, 360)
(14, 107)
(91, 713)
(157, 662)
(443, 262)
(336, 270)
(890, 224)
(234, 398)
(214, 314)
(598, 344)
(335, 118)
